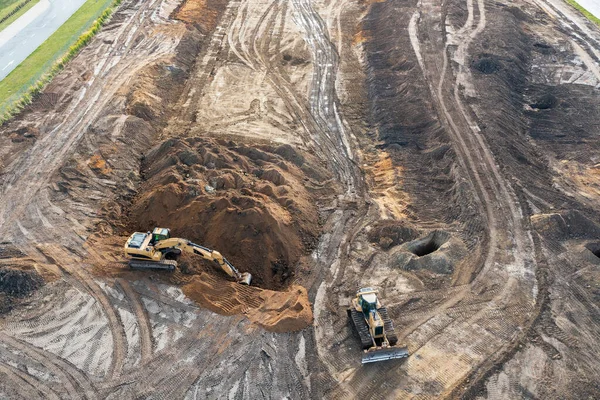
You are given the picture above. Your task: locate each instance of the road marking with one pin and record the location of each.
(32, 35)
(8, 65)
(11, 53)
(43, 26)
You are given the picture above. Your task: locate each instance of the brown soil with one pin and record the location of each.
(284, 311)
(203, 13)
(248, 203)
(460, 139)
(287, 310)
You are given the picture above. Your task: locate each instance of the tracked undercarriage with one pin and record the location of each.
(375, 328)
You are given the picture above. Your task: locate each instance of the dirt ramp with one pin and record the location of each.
(249, 203)
(284, 311)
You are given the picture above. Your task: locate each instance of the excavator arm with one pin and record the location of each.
(207, 254)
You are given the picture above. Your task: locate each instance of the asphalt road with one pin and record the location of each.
(592, 6)
(24, 35)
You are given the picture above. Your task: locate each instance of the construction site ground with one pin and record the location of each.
(445, 152)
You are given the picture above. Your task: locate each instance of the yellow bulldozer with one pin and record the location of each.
(374, 328)
(158, 250)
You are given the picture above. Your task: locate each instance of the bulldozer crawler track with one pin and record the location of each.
(361, 328)
(388, 326)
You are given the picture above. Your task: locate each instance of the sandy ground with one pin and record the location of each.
(444, 152)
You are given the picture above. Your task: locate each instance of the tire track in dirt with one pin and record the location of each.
(333, 253)
(22, 379)
(30, 175)
(260, 60)
(115, 325)
(28, 178)
(79, 276)
(323, 101)
(143, 322)
(220, 40)
(172, 370)
(71, 377)
(493, 193)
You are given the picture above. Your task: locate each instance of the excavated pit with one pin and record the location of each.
(249, 203)
(594, 248)
(428, 245)
(487, 65)
(545, 102)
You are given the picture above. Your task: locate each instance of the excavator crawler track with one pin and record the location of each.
(169, 265)
(388, 326)
(360, 327)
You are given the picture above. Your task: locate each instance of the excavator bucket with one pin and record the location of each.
(376, 354)
(245, 279)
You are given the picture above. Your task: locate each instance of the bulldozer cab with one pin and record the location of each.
(159, 234)
(368, 303)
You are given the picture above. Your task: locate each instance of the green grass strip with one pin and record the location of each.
(26, 81)
(6, 4)
(24, 7)
(585, 12)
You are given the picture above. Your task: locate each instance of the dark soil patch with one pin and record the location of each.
(543, 48)
(414, 137)
(19, 283)
(545, 102)
(518, 13)
(487, 65)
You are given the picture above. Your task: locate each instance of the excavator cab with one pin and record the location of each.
(159, 234)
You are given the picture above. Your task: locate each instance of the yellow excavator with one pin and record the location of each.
(374, 328)
(158, 250)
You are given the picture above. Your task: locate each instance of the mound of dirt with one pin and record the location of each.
(285, 311)
(437, 252)
(19, 283)
(391, 233)
(250, 204)
(565, 225)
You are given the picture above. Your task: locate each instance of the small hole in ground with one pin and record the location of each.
(594, 248)
(487, 65)
(545, 102)
(429, 244)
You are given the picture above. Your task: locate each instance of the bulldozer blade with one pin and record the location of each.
(377, 354)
